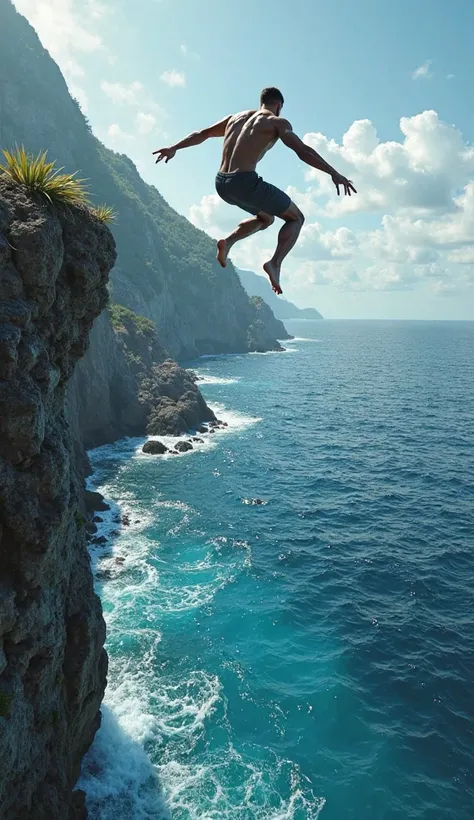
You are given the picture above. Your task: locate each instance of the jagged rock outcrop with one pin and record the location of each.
(265, 329)
(132, 387)
(175, 403)
(54, 266)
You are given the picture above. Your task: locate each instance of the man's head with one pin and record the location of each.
(272, 99)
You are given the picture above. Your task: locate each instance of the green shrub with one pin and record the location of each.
(41, 177)
(123, 318)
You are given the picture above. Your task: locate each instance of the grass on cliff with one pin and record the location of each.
(105, 213)
(123, 318)
(41, 177)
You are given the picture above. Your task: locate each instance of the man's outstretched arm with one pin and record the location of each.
(311, 157)
(196, 138)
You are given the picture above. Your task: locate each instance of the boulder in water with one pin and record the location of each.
(184, 446)
(154, 448)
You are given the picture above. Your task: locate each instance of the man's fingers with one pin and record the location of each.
(337, 188)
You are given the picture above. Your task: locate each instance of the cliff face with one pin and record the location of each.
(53, 271)
(127, 385)
(265, 327)
(166, 269)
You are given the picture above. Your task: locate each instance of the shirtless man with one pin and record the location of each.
(247, 138)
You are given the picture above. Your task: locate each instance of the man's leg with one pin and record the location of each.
(245, 228)
(287, 237)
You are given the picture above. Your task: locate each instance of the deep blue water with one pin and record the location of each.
(312, 656)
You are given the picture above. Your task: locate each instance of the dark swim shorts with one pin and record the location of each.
(249, 191)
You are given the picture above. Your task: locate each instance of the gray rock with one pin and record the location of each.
(94, 502)
(176, 405)
(183, 446)
(101, 540)
(52, 662)
(156, 448)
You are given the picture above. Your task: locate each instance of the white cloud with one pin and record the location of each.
(116, 134)
(421, 191)
(174, 78)
(420, 173)
(450, 76)
(149, 116)
(122, 93)
(145, 122)
(68, 29)
(186, 52)
(423, 71)
(441, 288)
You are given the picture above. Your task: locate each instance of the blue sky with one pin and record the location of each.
(381, 89)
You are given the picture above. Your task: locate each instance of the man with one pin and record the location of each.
(247, 138)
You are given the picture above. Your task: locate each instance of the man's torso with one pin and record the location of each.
(249, 135)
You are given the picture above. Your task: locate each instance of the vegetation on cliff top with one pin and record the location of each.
(41, 177)
(124, 319)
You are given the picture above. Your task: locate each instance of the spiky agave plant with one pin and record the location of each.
(41, 177)
(105, 213)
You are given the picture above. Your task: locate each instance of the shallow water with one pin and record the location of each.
(313, 655)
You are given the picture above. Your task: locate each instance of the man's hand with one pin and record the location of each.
(164, 153)
(339, 180)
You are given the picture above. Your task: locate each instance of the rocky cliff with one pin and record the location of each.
(265, 328)
(166, 269)
(127, 385)
(54, 266)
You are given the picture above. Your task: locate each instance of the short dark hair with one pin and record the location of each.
(271, 95)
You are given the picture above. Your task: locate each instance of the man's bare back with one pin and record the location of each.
(248, 136)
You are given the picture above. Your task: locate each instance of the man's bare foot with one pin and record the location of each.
(222, 251)
(273, 273)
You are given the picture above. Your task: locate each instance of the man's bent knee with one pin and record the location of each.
(292, 214)
(265, 219)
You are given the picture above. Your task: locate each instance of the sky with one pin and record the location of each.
(382, 89)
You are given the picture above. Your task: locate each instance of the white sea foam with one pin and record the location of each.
(206, 378)
(233, 788)
(120, 781)
(234, 419)
(148, 761)
(299, 339)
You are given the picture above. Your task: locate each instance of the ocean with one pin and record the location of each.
(290, 611)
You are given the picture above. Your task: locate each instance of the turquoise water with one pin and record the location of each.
(313, 655)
